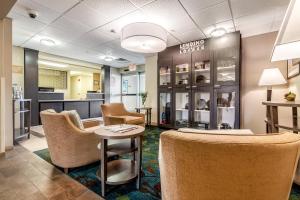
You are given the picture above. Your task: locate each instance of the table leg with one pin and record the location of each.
(103, 166)
(133, 146)
(295, 120)
(139, 162)
(274, 118)
(150, 117)
(147, 116)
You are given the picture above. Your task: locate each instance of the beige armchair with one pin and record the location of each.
(115, 113)
(227, 167)
(68, 145)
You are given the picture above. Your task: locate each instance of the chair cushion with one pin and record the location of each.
(75, 118)
(50, 110)
(133, 120)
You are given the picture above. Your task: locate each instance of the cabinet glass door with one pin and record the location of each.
(226, 65)
(182, 68)
(182, 106)
(226, 109)
(165, 69)
(201, 110)
(165, 107)
(201, 65)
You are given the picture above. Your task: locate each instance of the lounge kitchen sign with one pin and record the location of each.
(192, 46)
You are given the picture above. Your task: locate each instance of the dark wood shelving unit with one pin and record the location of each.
(200, 89)
(22, 112)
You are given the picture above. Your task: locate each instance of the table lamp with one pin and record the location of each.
(269, 78)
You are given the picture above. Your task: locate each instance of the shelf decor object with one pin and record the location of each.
(287, 45)
(271, 77)
(144, 37)
(198, 81)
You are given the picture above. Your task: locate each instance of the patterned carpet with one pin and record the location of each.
(150, 189)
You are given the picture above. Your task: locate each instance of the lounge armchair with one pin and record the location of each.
(68, 145)
(227, 167)
(115, 113)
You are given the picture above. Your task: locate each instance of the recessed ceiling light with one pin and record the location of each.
(47, 42)
(218, 32)
(52, 64)
(107, 58)
(144, 37)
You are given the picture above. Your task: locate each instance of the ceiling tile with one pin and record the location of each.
(171, 41)
(228, 26)
(70, 26)
(169, 14)
(85, 15)
(59, 35)
(92, 39)
(189, 35)
(255, 24)
(20, 35)
(246, 7)
(57, 5)
(141, 3)
(118, 24)
(45, 15)
(212, 15)
(195, 6)
(111, 10)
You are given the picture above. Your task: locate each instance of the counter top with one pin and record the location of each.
(70, 100)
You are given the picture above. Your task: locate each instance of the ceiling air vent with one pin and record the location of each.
(122, 60)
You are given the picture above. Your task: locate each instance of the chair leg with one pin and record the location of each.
(66, 170)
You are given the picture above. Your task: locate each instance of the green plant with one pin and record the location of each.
(144, 97)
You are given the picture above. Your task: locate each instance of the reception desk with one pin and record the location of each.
(87, 108)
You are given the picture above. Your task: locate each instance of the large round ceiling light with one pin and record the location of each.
(144, 37)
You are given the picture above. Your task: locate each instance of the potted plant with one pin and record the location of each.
(144, 97)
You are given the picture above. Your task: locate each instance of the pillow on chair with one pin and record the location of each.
(50, 110)
(75, 118)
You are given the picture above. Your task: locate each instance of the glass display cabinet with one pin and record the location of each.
(201, 68)
(227, 108)
(165, 109)
(165, 73)
(201, 114)
(182, 68)
(182, 107)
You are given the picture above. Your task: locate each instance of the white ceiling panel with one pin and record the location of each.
(141, 3)
(171, 41)
(92, 39)
(20, 35)
(250, 7)
(64, 36)
(70, 26)
(195, 6)
(169, 14)
(228, 26)
(189, 35)
(57, 5)
(45, 15)
(212, 15)
(110, 9)
(85, 15)
(117, 25)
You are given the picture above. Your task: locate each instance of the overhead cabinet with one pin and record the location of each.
(200, 88)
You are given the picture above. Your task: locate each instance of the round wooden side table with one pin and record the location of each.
(120, 171)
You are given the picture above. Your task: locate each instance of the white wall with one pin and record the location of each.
(151, 85)
(115, 85)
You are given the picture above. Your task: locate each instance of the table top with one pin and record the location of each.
(144, 108)
(282, 103)
(106, 134)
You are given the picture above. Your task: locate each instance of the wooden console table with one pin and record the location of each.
(120, 171)
(272, 116)
(147, 112)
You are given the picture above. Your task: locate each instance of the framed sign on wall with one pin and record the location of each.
(293, 68)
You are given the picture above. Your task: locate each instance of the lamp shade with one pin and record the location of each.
(270, 77)
(287, 45)
(144, 37)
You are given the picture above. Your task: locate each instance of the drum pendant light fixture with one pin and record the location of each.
(143, 37)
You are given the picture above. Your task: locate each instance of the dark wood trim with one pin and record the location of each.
(31, 76)
(105, 78)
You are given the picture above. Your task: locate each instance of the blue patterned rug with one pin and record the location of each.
(150, 189)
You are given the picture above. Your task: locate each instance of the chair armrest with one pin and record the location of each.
(90, 123)
(116, 120)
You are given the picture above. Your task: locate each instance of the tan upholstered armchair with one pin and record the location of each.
(227, 167)
(68, 145)
(115, 113)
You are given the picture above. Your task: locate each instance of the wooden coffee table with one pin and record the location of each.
(120, 171)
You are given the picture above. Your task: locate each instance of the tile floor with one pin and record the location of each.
(23, 175)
